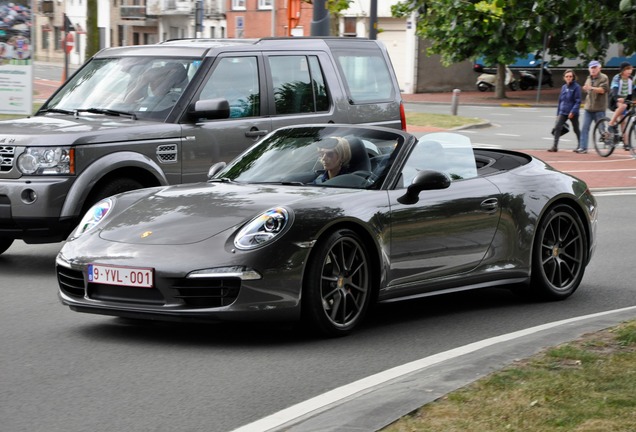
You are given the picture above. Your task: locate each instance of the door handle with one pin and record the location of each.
(490, 204)
(256, 133)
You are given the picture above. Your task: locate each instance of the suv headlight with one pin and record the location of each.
(47, 161)
(263, 229)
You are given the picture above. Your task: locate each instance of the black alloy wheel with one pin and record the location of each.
(560, 254)
(337, 288)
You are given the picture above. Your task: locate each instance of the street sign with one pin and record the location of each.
(69, 43)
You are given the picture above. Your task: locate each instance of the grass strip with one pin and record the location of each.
(588, 385)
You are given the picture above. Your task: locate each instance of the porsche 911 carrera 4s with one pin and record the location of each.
(316, 223)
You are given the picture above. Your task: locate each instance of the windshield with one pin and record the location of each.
(142, 87)
(318, 156)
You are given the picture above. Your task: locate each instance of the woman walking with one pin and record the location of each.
(568, 108)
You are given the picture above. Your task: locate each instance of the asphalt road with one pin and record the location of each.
(514, 128)
(65, 371)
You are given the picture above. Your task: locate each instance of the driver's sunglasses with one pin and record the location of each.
(326, 153)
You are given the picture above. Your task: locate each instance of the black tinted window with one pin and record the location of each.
(299, 86)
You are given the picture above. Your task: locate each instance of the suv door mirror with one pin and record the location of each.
(210, 109)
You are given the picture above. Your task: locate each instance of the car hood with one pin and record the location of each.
(59, 129)
(191, 213)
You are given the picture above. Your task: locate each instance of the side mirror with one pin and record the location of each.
(210, 109)
(424, 180)
(215, 169)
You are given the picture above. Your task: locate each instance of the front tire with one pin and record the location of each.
(110, 188)
(631, 139)
(603, 139)
(559, 256)
(5, 243)
(337, 288)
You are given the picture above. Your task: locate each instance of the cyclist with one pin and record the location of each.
(621, 95)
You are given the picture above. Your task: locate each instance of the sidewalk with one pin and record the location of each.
(615, 172)
(549, 96)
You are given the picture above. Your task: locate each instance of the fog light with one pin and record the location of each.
(29, 196)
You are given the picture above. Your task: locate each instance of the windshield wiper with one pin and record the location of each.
(220, 180)
(107, 111)
(57, 110)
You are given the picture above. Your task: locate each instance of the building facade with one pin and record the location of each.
(136, 22)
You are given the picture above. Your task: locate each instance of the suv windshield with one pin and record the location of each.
(143, 87)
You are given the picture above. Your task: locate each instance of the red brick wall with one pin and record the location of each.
(258, 22)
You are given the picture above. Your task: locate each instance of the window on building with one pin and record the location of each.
(58, 38)
(265, 4)
(46, 31)
(239, 26)
(238, 4)
(299, 86)
(350, 26)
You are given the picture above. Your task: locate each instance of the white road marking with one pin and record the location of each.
(322, 402)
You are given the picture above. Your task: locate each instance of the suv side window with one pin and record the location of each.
(366, 74)
(299, 84)
(235, 79)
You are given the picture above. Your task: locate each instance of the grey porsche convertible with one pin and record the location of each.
(316, 223)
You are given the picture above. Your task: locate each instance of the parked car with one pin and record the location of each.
(142, 116)
(271, 237)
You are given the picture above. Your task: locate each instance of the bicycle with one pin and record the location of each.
(605, 142)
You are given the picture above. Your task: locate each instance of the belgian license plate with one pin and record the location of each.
(122, 276)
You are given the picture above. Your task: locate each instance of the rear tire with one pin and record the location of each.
(559, 255)
(337, 287)
(5, 243)
(602, 138)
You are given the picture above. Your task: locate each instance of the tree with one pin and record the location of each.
(503, 30)
(92, 32)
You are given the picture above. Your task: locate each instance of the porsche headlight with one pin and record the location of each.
(93, 217)
(47, 161)
(262, 229)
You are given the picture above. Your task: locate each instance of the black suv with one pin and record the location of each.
(151, 115)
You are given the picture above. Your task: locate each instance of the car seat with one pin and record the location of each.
(359, 155)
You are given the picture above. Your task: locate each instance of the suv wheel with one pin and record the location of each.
(110, 188)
